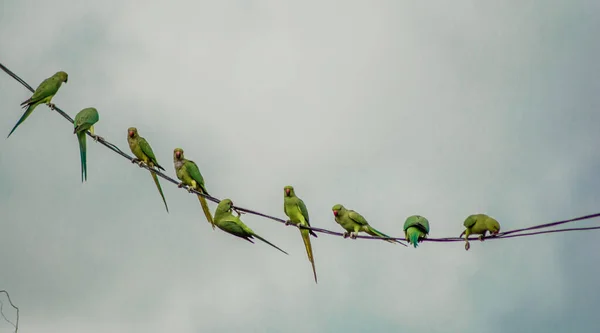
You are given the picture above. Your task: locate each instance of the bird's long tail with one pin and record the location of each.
(23, 117)
(206, 210)
(159, 189)
(413, 236)
(374, 232)
(306, 238)
(266, 241)
(82, 154)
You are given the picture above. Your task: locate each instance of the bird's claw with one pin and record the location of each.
(353, 235)
(467, 246)
(482, 238)
(189, 189)
(288, 222)
(97, 137)
(52, 106)
(134, 160)
(140, 163)
(345, 235)
(180, 185)
(238, 212)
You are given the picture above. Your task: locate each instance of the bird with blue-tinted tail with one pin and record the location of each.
(84, 121)
(416, 228)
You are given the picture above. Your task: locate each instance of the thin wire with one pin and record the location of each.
(15, 325)
(506, 234)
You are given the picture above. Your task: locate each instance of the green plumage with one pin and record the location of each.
(479, 224)
(353, 223)
(144, 154)
(43, 94)
(416, 228)
(296, 210)
(84, 120)
(187, 171)
(232, 224)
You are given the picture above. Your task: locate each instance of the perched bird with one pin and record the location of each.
(85, 120)
(416, 228)
(43, 94)
(144, 155)
(296, 210)
(479, 224)
(187, 171)
(353, 222)
(232, 224)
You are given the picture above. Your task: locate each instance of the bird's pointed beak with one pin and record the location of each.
(335, 213)
(131, 134)
(287, 191)
(178, 154)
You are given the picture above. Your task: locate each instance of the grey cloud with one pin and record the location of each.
(393, 109)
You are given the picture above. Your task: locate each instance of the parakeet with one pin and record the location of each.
(479, 224)
(232, 224)
(43, 94)
(353, 222)
(416, 228)
(144, 155)
(189, 174)
(85, 120)
(296, 210)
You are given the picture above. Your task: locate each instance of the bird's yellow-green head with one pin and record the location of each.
(225, 205)
(178, 154)
(132, 132)
(63, 76)
(493, 226)
(288, 191)
(336, 209)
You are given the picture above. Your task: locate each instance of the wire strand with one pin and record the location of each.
(16, 324)
(502, 235)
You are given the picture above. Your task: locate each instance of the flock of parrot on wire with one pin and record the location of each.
(416, 227)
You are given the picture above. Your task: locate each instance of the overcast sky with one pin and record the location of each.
(391, 108)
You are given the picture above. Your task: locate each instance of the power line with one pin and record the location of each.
(506, 234)
(15, 324)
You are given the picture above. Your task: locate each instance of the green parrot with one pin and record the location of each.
(85, 120)
(479, 224)
(232, 224)
(144, 155)
(189, 174)
(353, 222)
(416, 228)
(43, 94)
(296, 210)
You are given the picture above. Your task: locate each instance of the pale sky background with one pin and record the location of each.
(392, 108)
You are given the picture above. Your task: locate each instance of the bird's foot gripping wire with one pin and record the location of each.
(180, 185)
(138, 162)
(238, 212)
(189, 189)
(52, 106)
(482, 238)
(97, 137)
(467, 246)
(288, 222)
(353, 235)
(345, 234)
